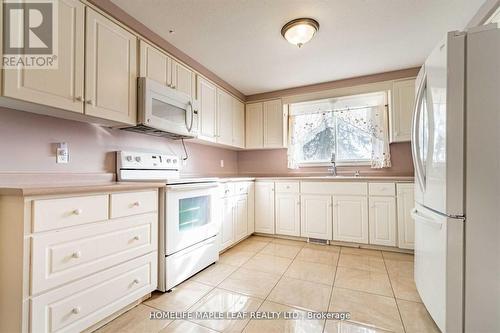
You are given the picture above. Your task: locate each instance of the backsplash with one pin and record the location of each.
(28, 145)
(274, 163)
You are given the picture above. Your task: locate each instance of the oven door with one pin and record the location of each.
(189, 215)
(166, 109)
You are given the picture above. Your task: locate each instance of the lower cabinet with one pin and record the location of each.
(350, 218)
(288, 214)
(382, 217)
(316, 216)
(227, 230)
(240, 216)
(406, 224)
(264, 203)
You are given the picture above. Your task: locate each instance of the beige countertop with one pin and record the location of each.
(72, 188)
(342, 178)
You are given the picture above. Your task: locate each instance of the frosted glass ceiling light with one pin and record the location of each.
(300, 31)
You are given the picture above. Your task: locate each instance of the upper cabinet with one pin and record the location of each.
(238, 124)
(62, 87)
(403, 99)
(266, 124)
(159, 66)
(110, 70)
(207, 117)
(225, 118)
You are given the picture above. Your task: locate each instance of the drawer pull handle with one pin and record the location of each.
(137, 238)
(78, 211)
(137, 281)
(76, 255)
(76, 310)
(136, 204)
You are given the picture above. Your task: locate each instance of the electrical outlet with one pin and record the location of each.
(221, 163)
(62, 153)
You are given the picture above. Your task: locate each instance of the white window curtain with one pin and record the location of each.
(372, 120)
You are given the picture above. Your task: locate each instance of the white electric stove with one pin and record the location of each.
(188, 224)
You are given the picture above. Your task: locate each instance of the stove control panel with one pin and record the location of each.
(146, 161)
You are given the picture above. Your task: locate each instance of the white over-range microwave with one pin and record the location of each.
(165, 112)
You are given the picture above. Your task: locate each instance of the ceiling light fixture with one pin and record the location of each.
(300, 31)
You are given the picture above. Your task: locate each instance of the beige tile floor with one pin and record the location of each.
(270, 274)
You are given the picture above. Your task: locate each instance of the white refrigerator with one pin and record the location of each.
(456, 155)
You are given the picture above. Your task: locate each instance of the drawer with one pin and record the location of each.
(48, 214)
(388, 189)
(79, 305)
(287, 187)
(241, 188)
(334, 188)
(132, 203)
(64, 256)
(226, 189)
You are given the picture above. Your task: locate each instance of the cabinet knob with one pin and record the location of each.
(79, 99)
(173, 86)
(76, 254)
(76, 310)
(137, 237)
(136, 204)
(137, 281)
(78, 211)
(90, 102)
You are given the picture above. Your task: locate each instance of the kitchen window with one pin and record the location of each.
(352, 129)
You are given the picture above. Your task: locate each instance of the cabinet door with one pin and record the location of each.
(273, 124)
(316, 216)
(350, 218)
(238, 124)
(406, 224)
(240, 217)
(288, 214)
(154, 64)
(227, 227)
(207, 99)
(62, 87)
(264, 202)
(382, 220)
(182, 78)
(254, 126)
(403, 99)
(110, 70)
(224, 118)
(251, 208)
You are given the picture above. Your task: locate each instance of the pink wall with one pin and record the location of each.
(274, 163)
(28, 143)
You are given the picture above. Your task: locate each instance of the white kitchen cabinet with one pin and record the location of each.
(382, 220)
(350, 218)
(316, 216)
(403, 99)
(62, 87)
(110, 70)
(240, 211)
(406, 224)
(254, 126)
(224, 118)
(274, 124)
(264, 207)
(183, 78)
(288, 214)
(227, 225)
(207, 100)
(251, 208)
(238, 123)
(155, 64)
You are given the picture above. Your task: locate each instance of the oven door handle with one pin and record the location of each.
(184, 187)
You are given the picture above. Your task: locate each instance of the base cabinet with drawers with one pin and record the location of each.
(237, 211)
(79, 258)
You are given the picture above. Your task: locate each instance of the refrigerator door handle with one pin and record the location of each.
(415, 138)
(422, 218)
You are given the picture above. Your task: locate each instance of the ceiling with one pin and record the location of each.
(240, 40)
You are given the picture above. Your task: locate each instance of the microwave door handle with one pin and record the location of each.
(190, 126)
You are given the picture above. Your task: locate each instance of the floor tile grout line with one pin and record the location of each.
(394, 294)
(333, 286)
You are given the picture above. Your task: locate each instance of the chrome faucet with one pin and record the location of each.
(333, 169)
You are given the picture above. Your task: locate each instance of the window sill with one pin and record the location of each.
(328, 164)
